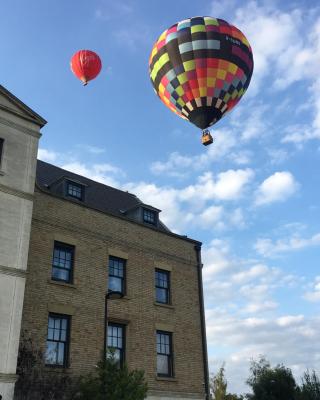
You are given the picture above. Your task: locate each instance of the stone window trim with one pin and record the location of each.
(169, 306)
(63, 262)
(164, 354)
(58, 334)
(166, 378)
(62, 283)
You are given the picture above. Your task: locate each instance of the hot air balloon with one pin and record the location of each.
(86, 65)
(200, 68)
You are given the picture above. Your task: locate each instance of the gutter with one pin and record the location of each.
(203, 323)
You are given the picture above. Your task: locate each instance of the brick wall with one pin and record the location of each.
(96, 236)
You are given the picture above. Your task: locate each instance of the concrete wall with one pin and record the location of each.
(17, 175)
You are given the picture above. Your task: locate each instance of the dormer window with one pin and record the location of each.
(75, 190)
(149, 216)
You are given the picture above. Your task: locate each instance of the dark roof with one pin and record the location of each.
(97, 195)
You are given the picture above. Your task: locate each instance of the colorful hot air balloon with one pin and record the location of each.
(200, 68)
(86, 65)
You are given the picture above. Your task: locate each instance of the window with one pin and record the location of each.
(164, 354)
(116, 341)
(116, 281)
(75, 190)
(1, 149)
(149, 216)
(162, 280)
(62, 264)
(57, 340)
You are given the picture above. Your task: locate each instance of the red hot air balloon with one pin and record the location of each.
(86, 65)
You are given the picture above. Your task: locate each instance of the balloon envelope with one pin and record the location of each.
(200, 68)
(86, 65)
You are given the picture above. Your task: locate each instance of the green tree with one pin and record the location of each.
(110, 382)
(310, 386)
(35, 381)
(231, 396)
(218, 385)
(269, 383)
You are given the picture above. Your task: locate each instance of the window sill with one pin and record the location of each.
(164, 305)
(61, 283)
(57, 368)
(166, 378)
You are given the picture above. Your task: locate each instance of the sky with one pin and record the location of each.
(252, 197)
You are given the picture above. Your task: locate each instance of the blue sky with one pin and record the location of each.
(252, 197)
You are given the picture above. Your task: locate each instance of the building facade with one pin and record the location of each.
(19, 136)
(88, 239)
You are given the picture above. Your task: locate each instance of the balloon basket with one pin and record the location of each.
(206, 138)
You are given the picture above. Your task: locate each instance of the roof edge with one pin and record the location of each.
(32, 115)
(169, 233)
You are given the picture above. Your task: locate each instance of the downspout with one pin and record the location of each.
(203, 323)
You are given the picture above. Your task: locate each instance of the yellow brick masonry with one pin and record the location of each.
(96, 236)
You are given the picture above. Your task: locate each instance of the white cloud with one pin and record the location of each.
(276, 188)
(229, 185)
(216, 258)
(98, 172)
(290, 320)
(277, 156)
(179, 165)
(47, 155)
(92, 149)
(237, 340)
(259, 307)
(251, 273)
(313, 295)
(269, 248)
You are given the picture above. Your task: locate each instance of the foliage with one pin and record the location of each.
(310, 387)
(233, 396)
(269, 383)
(218, 387)
(35, 382)
(218, 384)
(113, 383)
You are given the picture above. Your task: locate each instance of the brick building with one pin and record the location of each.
(87, 239)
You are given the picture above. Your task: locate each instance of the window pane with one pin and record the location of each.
(117, 355)
(60, 359)
(57, 323)
(50, 334)
(60, 274)
(63, 335)
(51, 322)
(161, 295)
(56, 334)
(162, 365)
(51, 353)
(115, 284)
